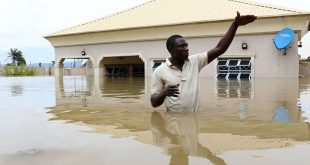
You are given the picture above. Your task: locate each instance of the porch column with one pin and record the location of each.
(89, 68)
(59, 87)
(59, 70)
(98, 74)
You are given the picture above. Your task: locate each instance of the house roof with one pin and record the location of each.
(173, 12)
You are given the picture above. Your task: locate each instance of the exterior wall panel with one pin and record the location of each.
(268, 61)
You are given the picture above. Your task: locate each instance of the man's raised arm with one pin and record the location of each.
(226, 40)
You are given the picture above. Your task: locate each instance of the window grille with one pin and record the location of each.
(234, 68)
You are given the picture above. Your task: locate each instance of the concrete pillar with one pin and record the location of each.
(59, 75)
(102, 70)
(59, 69)
(89, 68)
(59, 87)
(97, 76)
(146, 68)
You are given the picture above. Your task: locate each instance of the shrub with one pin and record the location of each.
(22, 70)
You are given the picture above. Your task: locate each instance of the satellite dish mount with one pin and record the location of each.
(284, 39)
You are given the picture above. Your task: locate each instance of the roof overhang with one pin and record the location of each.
(263, 25)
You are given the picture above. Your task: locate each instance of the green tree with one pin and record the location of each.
(16, 57)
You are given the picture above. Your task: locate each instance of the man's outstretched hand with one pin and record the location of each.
(244, 19)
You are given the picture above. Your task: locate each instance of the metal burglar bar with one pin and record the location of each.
(234, 68)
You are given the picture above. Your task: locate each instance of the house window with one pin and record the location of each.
(156, 63)
(234, 68)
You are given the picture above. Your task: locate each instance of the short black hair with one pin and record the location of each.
(171, 41)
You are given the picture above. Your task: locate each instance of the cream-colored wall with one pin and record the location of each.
(41, 71)
(45, 71)
(272, 92)
(268, 61)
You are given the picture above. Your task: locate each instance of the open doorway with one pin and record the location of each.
(131, 66)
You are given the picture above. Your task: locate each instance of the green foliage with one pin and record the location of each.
(22, 70)
(16, 57)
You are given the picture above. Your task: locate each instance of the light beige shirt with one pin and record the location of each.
(167, 74)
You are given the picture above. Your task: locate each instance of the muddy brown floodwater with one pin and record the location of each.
(78, 120)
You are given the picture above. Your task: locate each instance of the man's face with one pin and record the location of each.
(180, 49)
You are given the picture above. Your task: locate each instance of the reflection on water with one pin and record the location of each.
(243, 108)
(122, 87)
(177, 133)
(16, 90)
(249, 116)
(266, 110)
(304, 100)
(234, 88)
(110, 86)
(281, 114)
(74, 86)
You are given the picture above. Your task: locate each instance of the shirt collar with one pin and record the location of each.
(169, 64)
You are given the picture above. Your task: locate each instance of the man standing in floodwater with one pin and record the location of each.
(175, 82)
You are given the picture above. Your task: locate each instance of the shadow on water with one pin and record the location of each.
(253, 114)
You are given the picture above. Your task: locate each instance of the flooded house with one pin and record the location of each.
(132, 42)
(257, 115)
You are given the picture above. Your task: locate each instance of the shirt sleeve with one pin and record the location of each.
(157, 83)
(202, 59)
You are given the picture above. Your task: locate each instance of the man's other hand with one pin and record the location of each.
(172, 90)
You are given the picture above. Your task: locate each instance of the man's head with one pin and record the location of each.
(177, 47)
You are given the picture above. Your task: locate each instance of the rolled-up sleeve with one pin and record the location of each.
(157, 83)
(202, 59)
